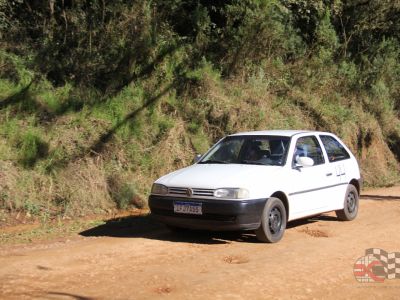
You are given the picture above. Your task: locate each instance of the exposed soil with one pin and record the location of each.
(137, 258)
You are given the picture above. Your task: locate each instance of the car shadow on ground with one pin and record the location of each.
(144, 226)
(379, 198)
(310, 220)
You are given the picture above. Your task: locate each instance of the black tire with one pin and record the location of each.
(351, 200)
(273, 221)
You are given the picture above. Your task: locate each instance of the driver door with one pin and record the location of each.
(307, 192)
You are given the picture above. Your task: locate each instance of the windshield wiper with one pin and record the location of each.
(213, 161)
(251, 162)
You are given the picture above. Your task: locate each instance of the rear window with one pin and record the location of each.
(334, 148)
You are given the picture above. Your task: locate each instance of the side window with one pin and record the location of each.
(308, 146)
(334, 148)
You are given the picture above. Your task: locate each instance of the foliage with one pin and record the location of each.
(98, 98)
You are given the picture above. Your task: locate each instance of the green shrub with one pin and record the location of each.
(122, 193)
(193, 127)
(125, 196)
(32, 208)
(200, 143)
(31, 148)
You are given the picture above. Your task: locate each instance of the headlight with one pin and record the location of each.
(159, 189)
(231, 193)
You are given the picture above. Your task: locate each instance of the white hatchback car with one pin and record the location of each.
(259, 181)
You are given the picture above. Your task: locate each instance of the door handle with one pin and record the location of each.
(328, 174)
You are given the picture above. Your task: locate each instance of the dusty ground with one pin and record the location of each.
(136, 258)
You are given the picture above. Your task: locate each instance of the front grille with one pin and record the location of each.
(177, 191)
(184, 192)
(203, 192)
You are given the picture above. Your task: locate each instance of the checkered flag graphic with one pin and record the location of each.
(390, 261)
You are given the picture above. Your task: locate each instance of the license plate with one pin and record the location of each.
(188, 208)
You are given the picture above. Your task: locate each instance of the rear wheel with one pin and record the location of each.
(350, 209)
(273, 221)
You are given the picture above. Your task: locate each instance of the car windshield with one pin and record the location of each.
(255, 150)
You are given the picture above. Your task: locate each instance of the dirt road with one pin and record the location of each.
(139, 259)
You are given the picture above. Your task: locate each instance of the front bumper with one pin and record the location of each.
(218, 215)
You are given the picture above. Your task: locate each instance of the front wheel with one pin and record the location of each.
(273, 221)
(350, 209)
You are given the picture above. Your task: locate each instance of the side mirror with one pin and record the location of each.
(197, 158)
(302, 161)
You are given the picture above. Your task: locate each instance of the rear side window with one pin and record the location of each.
(334, 148)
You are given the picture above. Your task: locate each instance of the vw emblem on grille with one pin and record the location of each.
(189, 192)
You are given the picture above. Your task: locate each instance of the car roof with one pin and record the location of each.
(288, 133)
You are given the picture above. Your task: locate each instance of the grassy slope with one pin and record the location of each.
(61, 153)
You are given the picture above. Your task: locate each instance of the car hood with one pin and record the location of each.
(212, 176)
